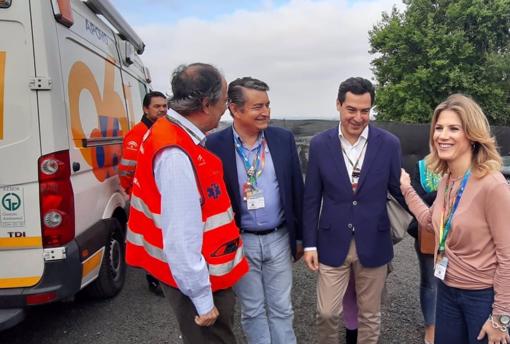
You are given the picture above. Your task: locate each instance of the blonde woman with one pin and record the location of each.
(470, 218)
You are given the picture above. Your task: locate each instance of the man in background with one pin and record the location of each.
(154, 107)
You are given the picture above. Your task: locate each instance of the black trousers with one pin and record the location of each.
(219, 333)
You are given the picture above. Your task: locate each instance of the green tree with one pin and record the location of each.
(435, 48)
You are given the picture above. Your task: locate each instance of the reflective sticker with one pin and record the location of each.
(12, 208)
(91, 267)
(127, 162)
(19, 240)
(18, 282)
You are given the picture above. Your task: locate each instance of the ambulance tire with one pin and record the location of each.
(112, 273)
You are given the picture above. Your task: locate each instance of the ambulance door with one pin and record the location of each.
(97, 113)
(134, 91)
(21, 254)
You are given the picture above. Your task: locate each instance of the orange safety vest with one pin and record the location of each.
(130, 146)
(222, 244)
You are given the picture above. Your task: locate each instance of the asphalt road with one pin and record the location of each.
(137, 316)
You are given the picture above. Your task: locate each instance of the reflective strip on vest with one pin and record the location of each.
(140, 205)
(223, 269)
(138, 240)
(156, 252)
(219, 220)
(211, 223)
(127, 162)
(126, 173)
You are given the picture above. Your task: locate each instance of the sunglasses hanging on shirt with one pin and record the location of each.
(356, 171)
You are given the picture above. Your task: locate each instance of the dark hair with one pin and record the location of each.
(356, 86)
(235, 89)
(191, 84)
(148, 97)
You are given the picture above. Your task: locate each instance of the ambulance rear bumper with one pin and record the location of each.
(10, 317)
(61, 278)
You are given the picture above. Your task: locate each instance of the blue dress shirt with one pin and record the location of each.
(271, 215)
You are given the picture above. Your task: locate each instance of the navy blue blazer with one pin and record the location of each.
(287, 168)
(345, 214)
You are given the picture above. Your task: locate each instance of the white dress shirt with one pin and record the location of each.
(182, 224)
(352, 152)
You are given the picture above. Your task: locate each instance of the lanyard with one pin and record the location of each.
(445, 227)
(355, 170)
(189, 131)
(254, 169)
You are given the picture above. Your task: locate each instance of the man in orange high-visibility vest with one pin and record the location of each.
(181, 226)
(154, 107)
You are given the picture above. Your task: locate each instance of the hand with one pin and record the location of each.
(299, 251)
(207, 319)
(405, 180)
(494, 335)
(312, 260)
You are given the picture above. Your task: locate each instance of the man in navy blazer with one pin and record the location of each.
(264, 182)
(346, 227)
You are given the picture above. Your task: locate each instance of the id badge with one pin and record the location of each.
(255, 200)
(440, 269)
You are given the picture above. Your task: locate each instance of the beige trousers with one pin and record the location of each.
(331, 286)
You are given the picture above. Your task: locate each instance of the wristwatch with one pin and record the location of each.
(504, 320)
(500, 322)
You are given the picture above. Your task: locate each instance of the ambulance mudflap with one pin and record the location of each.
(20, 227)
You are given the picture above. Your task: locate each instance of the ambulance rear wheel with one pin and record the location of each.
(112, 273)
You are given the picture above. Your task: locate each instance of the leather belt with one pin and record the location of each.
(262, 232)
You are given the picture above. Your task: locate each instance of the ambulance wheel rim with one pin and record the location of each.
(115, 258)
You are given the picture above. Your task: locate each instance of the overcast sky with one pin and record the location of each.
(301, 48)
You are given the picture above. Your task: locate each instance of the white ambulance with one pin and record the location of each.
(71, 85)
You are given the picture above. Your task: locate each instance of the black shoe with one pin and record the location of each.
(154, 286)
(351, 336)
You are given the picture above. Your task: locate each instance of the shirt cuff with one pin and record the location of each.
(310, 249)
(203, 303)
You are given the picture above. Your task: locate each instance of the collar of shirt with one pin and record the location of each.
(361, 139)
(198, 137)
(148, 123)
(237, 138)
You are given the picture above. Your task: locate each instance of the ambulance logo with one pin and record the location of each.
(201, 160)
(214, 191)
(11, 201)
(132, 145)
(111, 117)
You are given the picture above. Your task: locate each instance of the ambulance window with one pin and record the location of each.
(142, 89)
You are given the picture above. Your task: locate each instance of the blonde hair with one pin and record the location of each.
(485, 158)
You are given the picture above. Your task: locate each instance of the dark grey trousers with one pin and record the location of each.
(219, 333)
